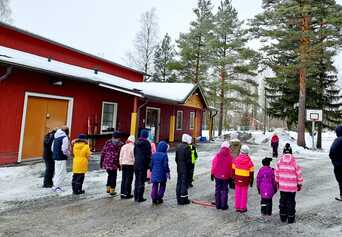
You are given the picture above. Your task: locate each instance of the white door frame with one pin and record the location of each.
(158, 128)
(23, 120)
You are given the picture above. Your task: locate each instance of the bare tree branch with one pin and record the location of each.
(145, 42)
(5, 11)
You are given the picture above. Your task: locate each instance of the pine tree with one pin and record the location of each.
(164, 61)
(194, 44)
(323, 93)
(292, 54)
(231, 59)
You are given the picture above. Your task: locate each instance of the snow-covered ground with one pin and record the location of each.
(29, 210)
(24, 183)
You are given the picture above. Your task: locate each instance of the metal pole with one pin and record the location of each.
(313, 135)
(265, 112)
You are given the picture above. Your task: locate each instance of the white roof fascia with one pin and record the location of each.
(121, 90)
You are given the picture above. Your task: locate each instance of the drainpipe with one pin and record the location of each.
(7, 73)
(138, 113)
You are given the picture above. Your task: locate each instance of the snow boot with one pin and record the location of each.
(108, 189)
(339, 198)
(183, 201)
(243, 210)
(112, 191)
(283, 218)
(291, 219)
(141, 200)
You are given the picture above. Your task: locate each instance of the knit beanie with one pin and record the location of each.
(82, 136)
(144, 133)
(131, 139)
(244, 149)
(186, 138)
(266, 161)
(116, 134)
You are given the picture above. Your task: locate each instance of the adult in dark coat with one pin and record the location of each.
(335, 155)
(183, 160)
(142, 155)
(49, 162)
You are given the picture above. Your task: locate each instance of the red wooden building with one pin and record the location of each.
(44, 84)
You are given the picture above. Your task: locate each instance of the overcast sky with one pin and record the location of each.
(107, 27)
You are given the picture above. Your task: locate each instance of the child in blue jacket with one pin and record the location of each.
(160, 172)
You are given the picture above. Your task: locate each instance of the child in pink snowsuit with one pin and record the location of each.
(243, 172)
(221, 171)
(289, 178)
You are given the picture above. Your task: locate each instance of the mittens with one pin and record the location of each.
(299, 187)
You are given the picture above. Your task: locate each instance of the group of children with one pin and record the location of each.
(144, 160)
(148, 163)
(140, 158)
(286, 177)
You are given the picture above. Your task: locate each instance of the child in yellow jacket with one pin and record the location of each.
(82, 154)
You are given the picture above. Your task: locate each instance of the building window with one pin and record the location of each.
(192, 120)
(179, 122)
(109, 115)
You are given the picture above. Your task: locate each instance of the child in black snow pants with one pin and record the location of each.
(183, 161)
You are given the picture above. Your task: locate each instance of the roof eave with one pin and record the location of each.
(69, 47)
(161, 100)
(95, 82)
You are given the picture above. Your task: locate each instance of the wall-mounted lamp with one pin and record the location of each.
(57, 83)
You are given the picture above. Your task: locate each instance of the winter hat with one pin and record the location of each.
(186, 138)
(116, 134)
(287, 149)
(225, 144)
(82, 136)
(244, 149)
(131, 139)
(266, 161)
(144, 133)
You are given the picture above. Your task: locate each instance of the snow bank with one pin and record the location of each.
(285, 136)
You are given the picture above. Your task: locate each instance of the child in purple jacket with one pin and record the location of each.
(267, 186)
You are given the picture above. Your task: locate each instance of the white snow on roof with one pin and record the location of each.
(177, 92)
(173, 91)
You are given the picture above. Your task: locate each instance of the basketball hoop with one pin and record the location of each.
(314, 115)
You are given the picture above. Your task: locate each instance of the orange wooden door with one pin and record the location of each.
(56, 116)
(41, 115)
(197, 129)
